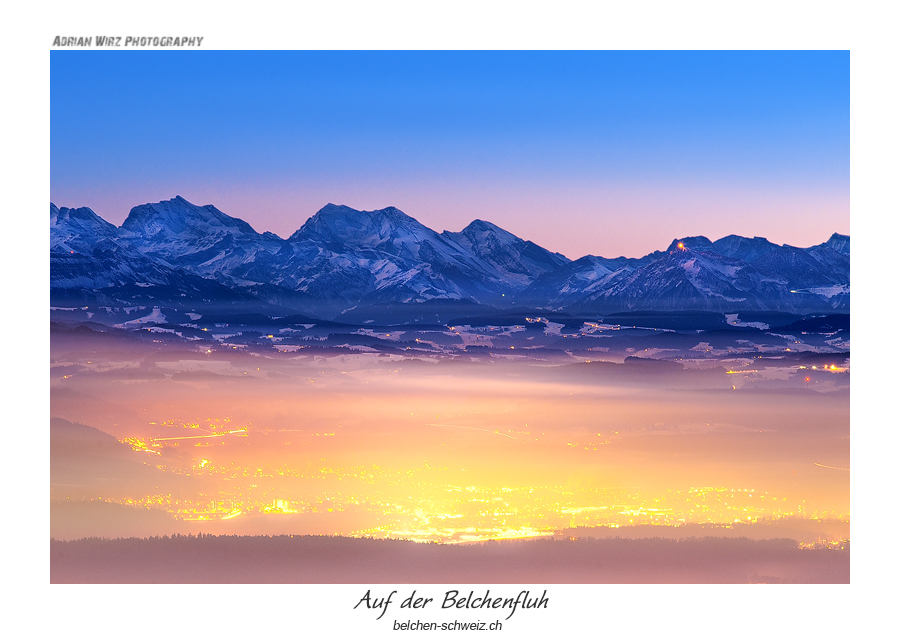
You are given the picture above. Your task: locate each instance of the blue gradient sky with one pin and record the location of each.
(608, 153)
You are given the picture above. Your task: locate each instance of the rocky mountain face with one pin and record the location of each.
(343, 261)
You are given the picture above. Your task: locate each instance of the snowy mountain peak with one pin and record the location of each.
(393, 212)
(77, 229)
(348, 226)
(479, 230)
(747, 249)
(483, 225)
(518, 260)
(839, 243)
(82, 215)
(331, 208)
(178, 218)
(695, 242)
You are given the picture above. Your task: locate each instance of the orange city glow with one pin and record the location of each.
(367, 445)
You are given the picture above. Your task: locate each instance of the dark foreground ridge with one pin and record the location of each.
(324, 559)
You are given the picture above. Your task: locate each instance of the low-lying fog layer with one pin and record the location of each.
(155, 437)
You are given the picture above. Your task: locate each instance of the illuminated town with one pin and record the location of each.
(415, 504)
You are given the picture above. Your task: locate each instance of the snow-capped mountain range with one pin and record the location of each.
(343, 260)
